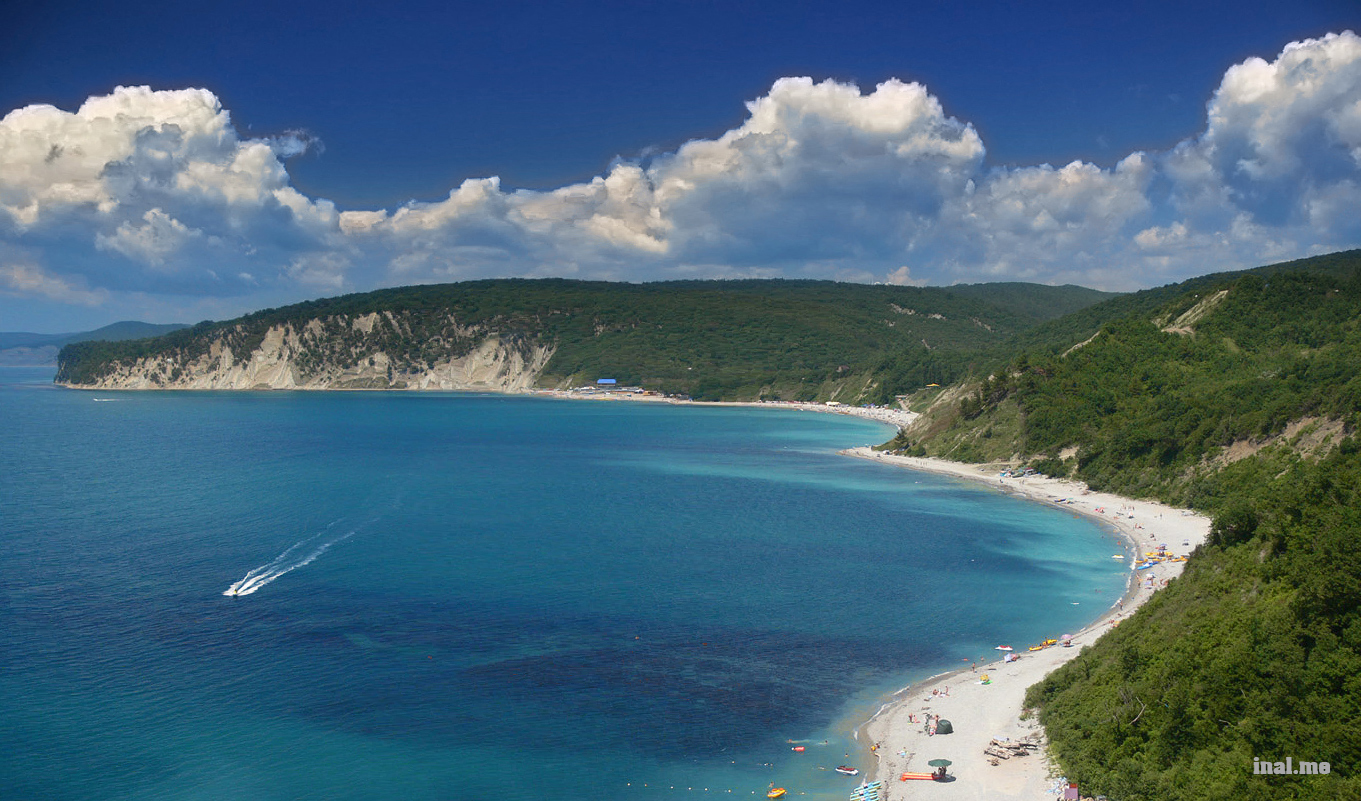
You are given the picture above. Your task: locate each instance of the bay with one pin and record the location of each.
(461, 596)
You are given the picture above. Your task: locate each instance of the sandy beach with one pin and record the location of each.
(981, 712)
(884, 414)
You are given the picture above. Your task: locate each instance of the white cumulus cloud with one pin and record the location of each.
(160, 179)
(27, 280)
(158, 237)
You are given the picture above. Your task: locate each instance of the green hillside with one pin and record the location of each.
(1254, 652)
(707, 339)
(1035, 301)
(1148, 406)
(1057, 335)
(1238, 394)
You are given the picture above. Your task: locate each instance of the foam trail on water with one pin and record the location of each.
(299, 555)
(245, 585)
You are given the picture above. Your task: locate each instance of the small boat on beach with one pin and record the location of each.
(848, 770)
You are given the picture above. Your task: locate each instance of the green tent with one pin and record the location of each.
(943, 727)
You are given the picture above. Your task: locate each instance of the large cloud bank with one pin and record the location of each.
(155, 193)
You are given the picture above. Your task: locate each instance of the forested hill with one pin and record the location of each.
(1174, 384)
(1063, 331)
(801, 340)
(1253, 653)
(1239, 394)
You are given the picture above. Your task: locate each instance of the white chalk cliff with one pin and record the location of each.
(373, 351)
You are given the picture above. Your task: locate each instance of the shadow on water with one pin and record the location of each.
(442, 673)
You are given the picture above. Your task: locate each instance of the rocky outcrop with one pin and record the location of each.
(369, 352)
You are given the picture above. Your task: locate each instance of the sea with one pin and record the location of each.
(366, 595)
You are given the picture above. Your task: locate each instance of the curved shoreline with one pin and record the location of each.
(979, 712)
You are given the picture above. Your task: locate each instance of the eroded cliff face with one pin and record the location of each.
(368, 352)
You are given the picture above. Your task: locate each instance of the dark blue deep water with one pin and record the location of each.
(462, 596)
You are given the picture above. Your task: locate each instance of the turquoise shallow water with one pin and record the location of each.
(452, 596)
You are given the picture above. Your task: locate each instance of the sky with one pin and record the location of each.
(180, 161)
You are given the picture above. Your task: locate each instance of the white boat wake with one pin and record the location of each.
(299, 555)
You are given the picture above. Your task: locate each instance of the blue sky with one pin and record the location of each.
(340, 147)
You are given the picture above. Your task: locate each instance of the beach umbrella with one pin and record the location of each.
(940, 763)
